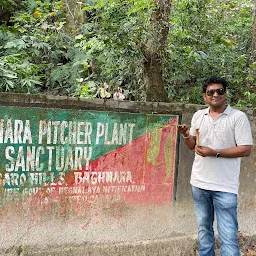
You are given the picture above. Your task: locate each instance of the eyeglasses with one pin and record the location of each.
(220, 91)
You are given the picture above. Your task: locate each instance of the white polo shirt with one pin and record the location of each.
(230, 129)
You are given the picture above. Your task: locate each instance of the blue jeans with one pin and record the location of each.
(225, 206)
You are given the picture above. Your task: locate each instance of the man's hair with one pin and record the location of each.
(215, 80)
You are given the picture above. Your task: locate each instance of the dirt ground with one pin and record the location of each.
(247, 246)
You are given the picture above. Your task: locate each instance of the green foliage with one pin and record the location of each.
(17, 73)
(114, 38)
(87, 90)
(248, 100)
(209, 37)
(38, 53)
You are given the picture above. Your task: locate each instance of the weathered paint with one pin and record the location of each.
(86, 156)
(56, 224)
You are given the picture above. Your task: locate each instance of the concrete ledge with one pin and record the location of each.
(63, 102)
(177, 246)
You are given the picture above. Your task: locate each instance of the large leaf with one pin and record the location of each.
(17, 43)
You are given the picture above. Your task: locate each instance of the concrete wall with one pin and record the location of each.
(150, 212)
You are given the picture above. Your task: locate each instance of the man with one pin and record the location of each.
(220, 136)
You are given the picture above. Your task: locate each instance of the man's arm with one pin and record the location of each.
(239, 151)
(189, 140)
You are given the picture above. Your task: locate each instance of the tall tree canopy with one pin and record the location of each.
(154, 50)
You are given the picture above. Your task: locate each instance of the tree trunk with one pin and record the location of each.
(75, 16)
(155, 88)
(153, 70)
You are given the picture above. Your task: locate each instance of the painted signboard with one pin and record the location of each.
(86, 156)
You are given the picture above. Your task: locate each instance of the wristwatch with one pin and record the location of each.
(217, 153)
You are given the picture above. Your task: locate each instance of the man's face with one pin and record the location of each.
(215, 95)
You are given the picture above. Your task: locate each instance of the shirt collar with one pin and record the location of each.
(227, 110)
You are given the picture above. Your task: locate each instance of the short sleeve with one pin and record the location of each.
(243, 133)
